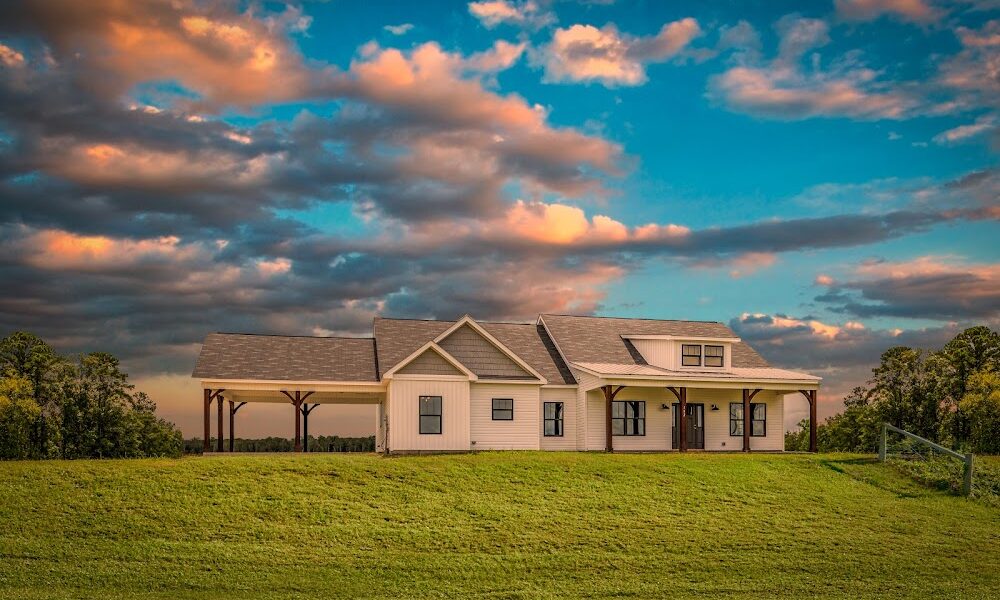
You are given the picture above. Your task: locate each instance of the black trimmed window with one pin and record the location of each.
(715, 356)
(758, 419)
(430, 414)
(690, 355)
(628, 417)
(503, 409)
(552, 424)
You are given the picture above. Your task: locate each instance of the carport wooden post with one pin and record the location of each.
(306, 409)
(233, 407)
(297, 400)
(208, 420)
(219, 442)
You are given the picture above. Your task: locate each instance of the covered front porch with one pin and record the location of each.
(303, 397)
(657, 412)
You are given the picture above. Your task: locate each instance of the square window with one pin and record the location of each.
(690, 355)
(715, 356)
(628, 418)
(503, 409)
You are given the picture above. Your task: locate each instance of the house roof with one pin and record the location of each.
(597, 344)
(397, 339)
(602, 339)
(283, 357)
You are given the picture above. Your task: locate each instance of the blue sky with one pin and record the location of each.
(820, 176)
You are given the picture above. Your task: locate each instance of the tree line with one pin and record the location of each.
(317, 443)
(950, 396)
(54, 406)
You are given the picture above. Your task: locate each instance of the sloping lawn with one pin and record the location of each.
(498, 525)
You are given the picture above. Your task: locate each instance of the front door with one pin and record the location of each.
(695, 426)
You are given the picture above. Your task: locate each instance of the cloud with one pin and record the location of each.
(10, 57)
(962, 133)
(401, 29)
(842, 353)
(917, 11)
(586, 53)
(225, 58)
(528, 14)
(928, 287)
(972, 75)
(784, 90)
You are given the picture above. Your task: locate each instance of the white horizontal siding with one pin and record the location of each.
(659, 422)
(717, 422)
(519, 434)
(583, 414)
(568, 440)
(404, 415)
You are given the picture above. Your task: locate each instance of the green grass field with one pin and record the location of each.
(497, 525)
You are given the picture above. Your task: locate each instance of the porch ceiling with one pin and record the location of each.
(277, 397)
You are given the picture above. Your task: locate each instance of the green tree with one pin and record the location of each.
(27, 356)
(901, 392)
(975, 350)
(981, 406)
(18, 413)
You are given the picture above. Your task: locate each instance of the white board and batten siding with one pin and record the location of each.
(566, 395)
(519, 434)
(404, 414)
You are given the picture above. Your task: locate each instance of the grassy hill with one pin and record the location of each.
(504, 525)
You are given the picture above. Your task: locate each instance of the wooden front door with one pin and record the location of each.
(695, 426)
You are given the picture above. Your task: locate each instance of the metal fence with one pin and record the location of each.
(965, 458)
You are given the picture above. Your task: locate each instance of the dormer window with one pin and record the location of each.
(715, 356)
(696, 355)
(691, 355)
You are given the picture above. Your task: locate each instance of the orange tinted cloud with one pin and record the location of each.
(224, 56)
(867, 10)
(57, 250)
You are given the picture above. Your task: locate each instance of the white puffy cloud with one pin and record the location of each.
(587, 53)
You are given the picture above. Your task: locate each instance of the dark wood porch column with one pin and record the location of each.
(747, 397)
(682, 399)
(746, 420)
(811, 397)
(306, 409)
(233, 407)
(211, 395)
(219, 442)
(297, 401)
(610, 392)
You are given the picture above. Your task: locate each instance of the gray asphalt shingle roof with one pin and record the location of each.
(599, 339)
(398, 338)
(581, 339)
(289, 358)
